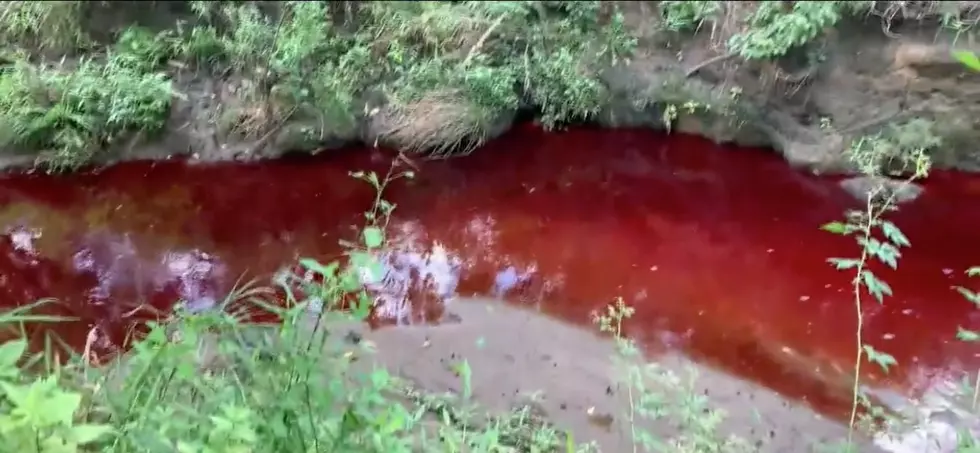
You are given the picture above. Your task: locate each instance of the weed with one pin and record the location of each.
(655, 393)
(773, 30)
(69, 114)
(55, 25)
(681, 15)
(881, 240)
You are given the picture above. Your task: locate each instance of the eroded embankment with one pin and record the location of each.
(128, 80)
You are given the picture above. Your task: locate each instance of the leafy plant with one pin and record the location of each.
(55, 25)
(655, 393)
(774, 30)
(689, 15)
(71, 114)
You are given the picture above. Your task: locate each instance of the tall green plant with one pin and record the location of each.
(878, 239)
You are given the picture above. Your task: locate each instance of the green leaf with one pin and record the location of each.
(362, 261)
(313, 265)
(971, 296)
(836, 228)
(885, 252)
(373, 237)
(844, 263)
(465, 373)
(876, 287)
(973, 271)
(85, 434)
(882, 359)
(969, 59)
(11, 352)
(17, 394)
(967, 335)
(61, 406)
(894, 234)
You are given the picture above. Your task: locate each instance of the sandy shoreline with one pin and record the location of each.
(569, 372)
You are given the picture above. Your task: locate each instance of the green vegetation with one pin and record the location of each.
(767, 30)
(466, 65)
(880, 240)
(202, 382)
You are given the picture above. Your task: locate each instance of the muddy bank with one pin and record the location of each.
(882, 70)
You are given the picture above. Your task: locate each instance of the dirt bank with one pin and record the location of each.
(870, 75)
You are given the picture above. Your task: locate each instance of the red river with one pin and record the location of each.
(718, 248)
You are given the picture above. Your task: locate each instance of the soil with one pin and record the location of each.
(568, 372)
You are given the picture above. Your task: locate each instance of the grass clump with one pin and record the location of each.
(49, 26)
(69, 114)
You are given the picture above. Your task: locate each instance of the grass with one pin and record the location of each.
(332, 65)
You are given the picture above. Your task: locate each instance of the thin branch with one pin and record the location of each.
(261, 142)
(479, 43)
(710, 61)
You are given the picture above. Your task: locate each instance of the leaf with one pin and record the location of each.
(84, 434)
(969, 59)
(17, 394)
(876, 287)
(894, 234)
(970, 296)
(11, 352)
(373, 237)
(973, 271)
(351, 422)
(882, 359)
(836, 228)
(886, 253)
(967, 335)
(465, 373)
(61, 406)
(315, 266)
(844, 263)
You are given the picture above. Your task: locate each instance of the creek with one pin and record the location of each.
(717, 248)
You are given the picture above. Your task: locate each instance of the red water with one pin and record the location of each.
(717, 248)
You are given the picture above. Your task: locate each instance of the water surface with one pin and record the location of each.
(717, 248)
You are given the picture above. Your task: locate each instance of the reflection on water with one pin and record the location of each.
(717, 249)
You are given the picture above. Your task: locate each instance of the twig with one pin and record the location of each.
(709, 61)
(90, 338)
(265, 138)
(483, 38)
